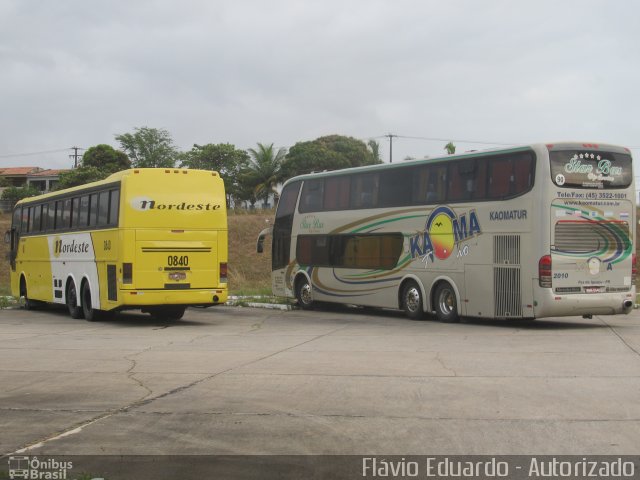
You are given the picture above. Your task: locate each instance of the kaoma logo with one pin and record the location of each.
(444, 230)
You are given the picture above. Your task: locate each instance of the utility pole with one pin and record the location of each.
(75, 156)
(390, 135)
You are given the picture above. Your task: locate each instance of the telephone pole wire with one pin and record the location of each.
(391, 136)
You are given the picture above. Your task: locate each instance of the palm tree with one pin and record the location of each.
(375, 150)
(264, 170)
(450, 148)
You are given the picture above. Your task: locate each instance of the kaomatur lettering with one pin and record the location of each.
(508, 215)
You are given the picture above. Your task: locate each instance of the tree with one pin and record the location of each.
(106, 159)
(225, 159)
(98, 162)
(18, 193)
(80, 176)
(149, 147)
(375, 150)
(332, 152)
(263, 172)
(450, 148)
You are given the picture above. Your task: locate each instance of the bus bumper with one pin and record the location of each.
(550, 304)
(142, 298)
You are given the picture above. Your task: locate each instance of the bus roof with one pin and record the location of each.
(113, 178)
(469, 154)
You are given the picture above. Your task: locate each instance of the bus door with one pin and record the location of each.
(12, 237)
(281, 241)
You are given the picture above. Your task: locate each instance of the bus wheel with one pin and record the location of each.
(28, 304)
(72, 302)
(168, 314)
(90, 313)
(446, 304)
(412, 301)
(304, 294)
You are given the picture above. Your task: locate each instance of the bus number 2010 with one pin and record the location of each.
(178, 260)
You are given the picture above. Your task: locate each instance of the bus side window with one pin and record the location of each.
(114, 204)
(34, 219)
(83, 212)
(336, 193)
(24, 223)
(312, 196)
(103, 209)
(75, 210)
(437, 186)
(456, 190)
(523, 173)
(500, 177)
(479, 189)
(394, 187)
(364, 191)
(45, 217)
(51, 216)
(66, 214)
(93, 210)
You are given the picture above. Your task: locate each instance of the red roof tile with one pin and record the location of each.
(49, 172)
(19, 171)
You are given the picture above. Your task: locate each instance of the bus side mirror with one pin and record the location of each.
(261, 237)
(7, 236)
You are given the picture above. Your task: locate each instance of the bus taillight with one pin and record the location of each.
(634, 265)
(127, 273)
(223, 273)
(544, 271)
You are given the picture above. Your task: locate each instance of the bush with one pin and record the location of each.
(18, 193)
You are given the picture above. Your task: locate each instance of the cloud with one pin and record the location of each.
(78, 73)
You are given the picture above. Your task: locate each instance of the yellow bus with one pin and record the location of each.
(152, 239)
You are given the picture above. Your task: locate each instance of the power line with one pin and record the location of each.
(456, 140)
(29, 154)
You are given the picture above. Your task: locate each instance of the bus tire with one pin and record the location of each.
(304, 294)
(75, 310)
(412, 301)
(446, 303)
(168, 313)
(90, 314)
(28, 303)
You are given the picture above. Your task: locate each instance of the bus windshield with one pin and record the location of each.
(590, 169)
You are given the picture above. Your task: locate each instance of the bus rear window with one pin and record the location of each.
(590, 169)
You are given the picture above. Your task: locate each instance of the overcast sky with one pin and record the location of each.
(79, 72)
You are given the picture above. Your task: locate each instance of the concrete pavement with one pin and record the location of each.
(234, 380)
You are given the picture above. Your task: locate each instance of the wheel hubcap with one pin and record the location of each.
(446, 302)
(412, 299)
(305, 294)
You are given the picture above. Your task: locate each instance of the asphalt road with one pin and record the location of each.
(254, 381)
